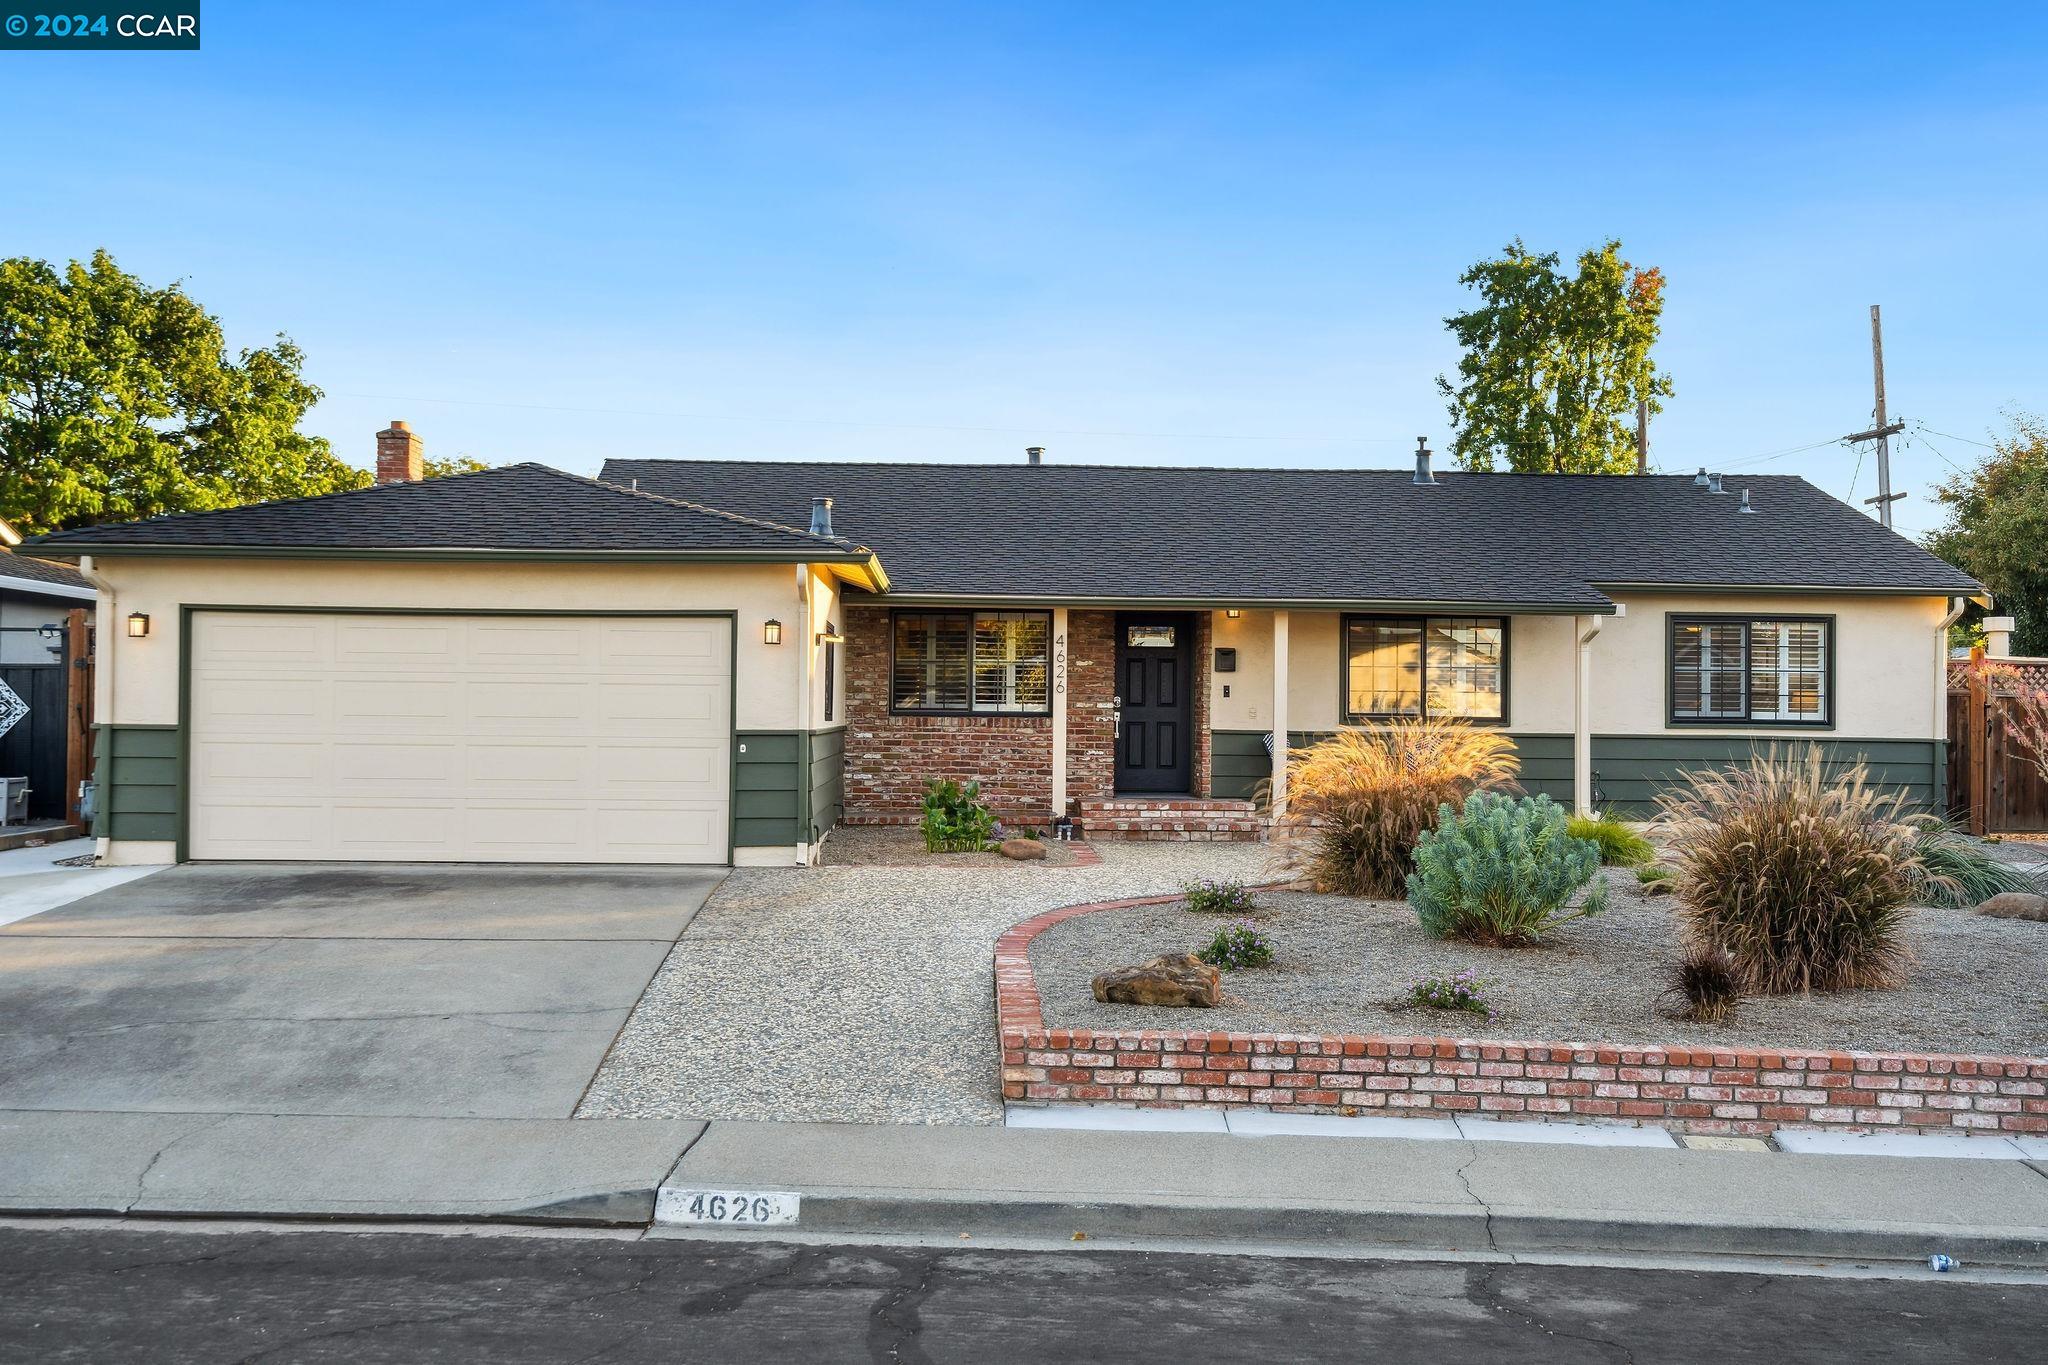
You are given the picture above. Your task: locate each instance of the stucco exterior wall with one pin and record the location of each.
(141, 685)
(1885, 676)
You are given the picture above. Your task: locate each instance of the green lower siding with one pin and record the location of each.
(1629, 770)
(828, 781)
(1238, 762)
(788, 786)
(136, 782)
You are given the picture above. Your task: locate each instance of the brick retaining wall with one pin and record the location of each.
(1688, 1089)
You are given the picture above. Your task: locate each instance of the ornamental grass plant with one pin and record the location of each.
(1803, 875)
(1358, 801)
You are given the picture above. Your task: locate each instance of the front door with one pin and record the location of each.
(1155, 682)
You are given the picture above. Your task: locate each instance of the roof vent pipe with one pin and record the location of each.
(1699, 480)
(1746, 508)
(821, 516)
(1422, 471)
(1714, 484)
(1034, 454)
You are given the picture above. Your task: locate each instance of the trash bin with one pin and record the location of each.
(13, 800)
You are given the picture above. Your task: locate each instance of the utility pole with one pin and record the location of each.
(1642, 436)
(1882, 431)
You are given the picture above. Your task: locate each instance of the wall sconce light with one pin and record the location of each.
(138, 624)
(771, 632)
(50, 635)
(831, 637)
(1233, 613)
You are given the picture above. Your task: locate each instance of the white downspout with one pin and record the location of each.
(807, 646)
(1956, 607)
(106, 636)
(1587, 627)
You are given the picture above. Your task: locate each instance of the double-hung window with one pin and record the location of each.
(1454, 666)
(1737, 670)
(972, 663)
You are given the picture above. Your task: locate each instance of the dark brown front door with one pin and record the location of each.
(1155, 684)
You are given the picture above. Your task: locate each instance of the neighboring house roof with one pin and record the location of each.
(25, 573)
(1100, 532)
(521, 508)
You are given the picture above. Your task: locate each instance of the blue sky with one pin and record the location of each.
(1180, 234)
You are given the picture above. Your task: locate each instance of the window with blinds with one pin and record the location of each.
(959, 662)
(1766, 670)
(1413, 666)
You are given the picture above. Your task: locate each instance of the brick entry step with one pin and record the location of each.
(1172, 817)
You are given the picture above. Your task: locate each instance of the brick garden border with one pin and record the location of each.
(1687, 1089)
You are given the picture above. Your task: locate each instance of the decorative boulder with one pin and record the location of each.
(2015, 905)
(1178, 980)
(1022, 849)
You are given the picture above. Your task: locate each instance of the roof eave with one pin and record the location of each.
(1881, 590)
(74, 550)
(1602, 607)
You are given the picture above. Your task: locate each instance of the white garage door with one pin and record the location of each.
(459, 738)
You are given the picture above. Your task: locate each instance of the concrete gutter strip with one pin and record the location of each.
(284, 1166)
(1447, 1195)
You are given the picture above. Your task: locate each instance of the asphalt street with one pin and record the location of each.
(103, 1294)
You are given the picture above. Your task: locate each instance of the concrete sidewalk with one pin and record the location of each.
(1329, 1193)
(327, 1167)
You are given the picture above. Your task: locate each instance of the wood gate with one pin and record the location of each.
(1991, 781)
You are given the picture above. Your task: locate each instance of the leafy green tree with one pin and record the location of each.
(1554, 364)
(119, 401)
(1997, 527)
(431, 468)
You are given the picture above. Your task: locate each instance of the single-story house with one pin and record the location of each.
(720, 661)
(37, 643)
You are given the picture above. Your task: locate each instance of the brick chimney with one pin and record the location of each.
(398, 455)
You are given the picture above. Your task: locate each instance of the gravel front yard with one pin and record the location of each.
(1977, 985)
(857, 993)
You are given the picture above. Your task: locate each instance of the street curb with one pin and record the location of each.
(853, 1214)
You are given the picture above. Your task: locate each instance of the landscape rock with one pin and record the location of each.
(1023, 850)
(2016, 905)
(1176, 981)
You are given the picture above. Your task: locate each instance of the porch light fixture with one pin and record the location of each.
(138, 624)
(771, 631)
(1233, 613)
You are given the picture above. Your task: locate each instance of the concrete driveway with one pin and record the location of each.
(446, 991)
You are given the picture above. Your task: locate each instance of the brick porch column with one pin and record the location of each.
(1059, 712)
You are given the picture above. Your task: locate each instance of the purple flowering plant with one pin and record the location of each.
(1237, 946)
(1459, 991)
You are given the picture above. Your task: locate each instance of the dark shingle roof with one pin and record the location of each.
(516, 507)
(35, 570)
(1096, 531)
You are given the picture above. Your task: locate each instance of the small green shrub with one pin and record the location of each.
(1218, 898)
(1654, 873)
(1957, 871)
(1705, 984)
(1620, 846)
(1459, 991)
(1501, 871)
(955, 821)
(1237, 946)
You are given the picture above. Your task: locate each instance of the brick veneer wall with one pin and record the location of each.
(889, 758)
(1690, 1089)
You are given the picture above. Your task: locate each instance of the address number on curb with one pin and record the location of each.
(725, 1208)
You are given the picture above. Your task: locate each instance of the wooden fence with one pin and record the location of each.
(1991, 782)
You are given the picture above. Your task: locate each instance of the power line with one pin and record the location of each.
(1951, 436)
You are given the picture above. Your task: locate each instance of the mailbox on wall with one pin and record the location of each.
(1226, 661)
